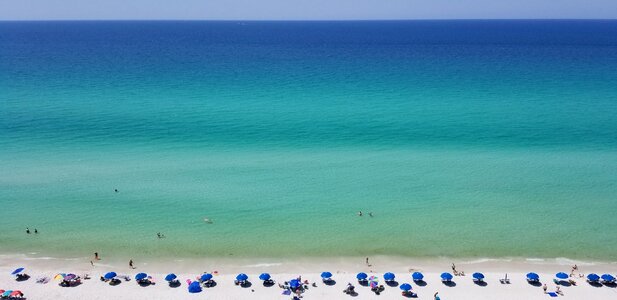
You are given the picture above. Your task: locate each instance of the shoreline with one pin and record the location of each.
(389, 260)
(296, 263)
(344, 270)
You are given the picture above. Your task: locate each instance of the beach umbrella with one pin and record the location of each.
(608, 277)
(446, 276)
(140, 276)
(533, 276)
(294, 283)
(16, 294)
(388, 276)
(17, 271)
(242, 277)
(6, 294)
(361, 276)
(70, 277)
(264, 276)
(59, 276)
(326, 275)
(373, 281)
(405, 287)
(562, 275)
(417, 276)
(2, 292)
(194, 287)
(170, 277)
(478, 276)
(110, 275)
(207, 276)
(593, 277)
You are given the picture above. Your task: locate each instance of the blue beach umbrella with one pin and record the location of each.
(478, 276)
(194, 287)
(17, 271)
(593, 277)
(417, 276)
(446, 276)
(242, 277)
(170, 277)
(533, 276)
(326, 275)
(361, 276)
(110, 275)
(388, 276)
(264, 276)
(562, 275)
(294, 283)
(140, 276)
(207, 276)
(405, 287)
(608, 277)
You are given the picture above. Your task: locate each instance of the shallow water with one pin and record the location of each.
(464, 139)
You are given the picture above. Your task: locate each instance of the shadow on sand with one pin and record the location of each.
(449, 283)
(392, 283)
(481, 283)
(535, 283)
(329, 282)
(420, 282)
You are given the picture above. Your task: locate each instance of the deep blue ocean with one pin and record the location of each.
(463, 138)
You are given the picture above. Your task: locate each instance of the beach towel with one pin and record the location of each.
(552, 294)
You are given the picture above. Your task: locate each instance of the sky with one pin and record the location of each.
(304, 9)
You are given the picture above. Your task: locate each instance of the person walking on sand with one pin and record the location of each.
(92, 263)
(544, 288)
(367, 262)
(96, 256)
(131, 264)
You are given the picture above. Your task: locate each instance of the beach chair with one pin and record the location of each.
(505, 280)
(572, 282)
(42, 280)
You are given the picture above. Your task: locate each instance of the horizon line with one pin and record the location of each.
(309, 20)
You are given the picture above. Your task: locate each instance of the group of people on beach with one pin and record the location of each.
(28, 230)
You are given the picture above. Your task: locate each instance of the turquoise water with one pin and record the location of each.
(464, 139)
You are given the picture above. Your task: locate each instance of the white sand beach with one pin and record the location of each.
(344, 270)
